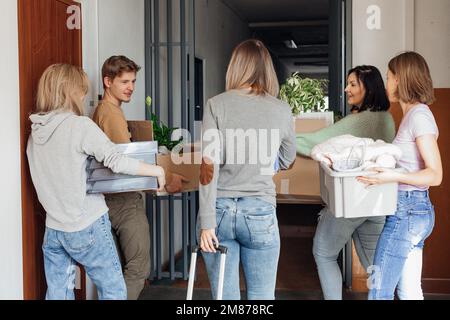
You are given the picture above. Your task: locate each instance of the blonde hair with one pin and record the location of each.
(251, 66)
(415, 83)
(61, 88)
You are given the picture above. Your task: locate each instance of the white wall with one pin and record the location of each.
(217, 30)
(11, 270)
(377, 47)
(121, 31)
(90, 52)
(114, 27)
(432, 38)
(418, 25)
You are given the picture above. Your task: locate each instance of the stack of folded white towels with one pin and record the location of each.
(349, 153)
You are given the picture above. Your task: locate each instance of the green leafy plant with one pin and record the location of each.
(304, 94)
(338, 116)
(161, 132)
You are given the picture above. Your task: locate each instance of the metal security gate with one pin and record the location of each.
(170, 73)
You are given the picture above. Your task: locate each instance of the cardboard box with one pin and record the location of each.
(301, 184)
(187, 164)
(141, 130)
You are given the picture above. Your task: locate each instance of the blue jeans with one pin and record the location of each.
(248, 227)
(398, 258)
(332, 235)
(95, 250)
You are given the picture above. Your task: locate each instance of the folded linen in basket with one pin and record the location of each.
(349, 153)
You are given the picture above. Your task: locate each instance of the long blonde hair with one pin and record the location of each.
(415, 82)
(61, 88)
(251, 66)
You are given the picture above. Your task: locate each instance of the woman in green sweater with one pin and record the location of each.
(370, 118)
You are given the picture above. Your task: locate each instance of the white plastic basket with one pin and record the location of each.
(346, 197)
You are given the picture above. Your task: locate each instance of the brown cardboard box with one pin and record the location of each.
(141, 130)
(186, 164)
(301, 184)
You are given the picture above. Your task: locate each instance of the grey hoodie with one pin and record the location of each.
(58, 148)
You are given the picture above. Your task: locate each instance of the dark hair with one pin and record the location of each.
(116, 66)
(376, 98)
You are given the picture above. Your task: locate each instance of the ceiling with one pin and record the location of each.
(279, 10)
(276, 23)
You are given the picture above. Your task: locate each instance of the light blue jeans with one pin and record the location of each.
(398, 258)
(248, 227)
(332, 235)
(95, 250)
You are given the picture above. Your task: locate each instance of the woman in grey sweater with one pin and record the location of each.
(244, 129)
(78, 229)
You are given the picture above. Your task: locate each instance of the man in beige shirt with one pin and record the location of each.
(126, 210)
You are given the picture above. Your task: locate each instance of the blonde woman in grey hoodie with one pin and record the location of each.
(78, 229)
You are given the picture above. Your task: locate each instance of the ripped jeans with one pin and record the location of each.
(95, 250)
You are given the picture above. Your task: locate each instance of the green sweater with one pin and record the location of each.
(367, 124)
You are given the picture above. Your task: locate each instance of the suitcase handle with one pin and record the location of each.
(195, 250)
(221, 249)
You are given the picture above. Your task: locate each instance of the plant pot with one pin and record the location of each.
(163, 150)
(327, 116)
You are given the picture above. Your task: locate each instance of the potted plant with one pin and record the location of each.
(306, 97)
(161, 132)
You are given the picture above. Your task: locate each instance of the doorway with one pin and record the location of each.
(312, 38)
(303, 36)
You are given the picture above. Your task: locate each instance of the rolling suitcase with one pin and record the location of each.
(223, 255)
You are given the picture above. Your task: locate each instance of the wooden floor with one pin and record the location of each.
(297, 275)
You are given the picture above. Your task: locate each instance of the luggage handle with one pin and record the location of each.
(222, 249)
(195, 250)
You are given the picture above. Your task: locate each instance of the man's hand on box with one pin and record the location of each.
(175, 182)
